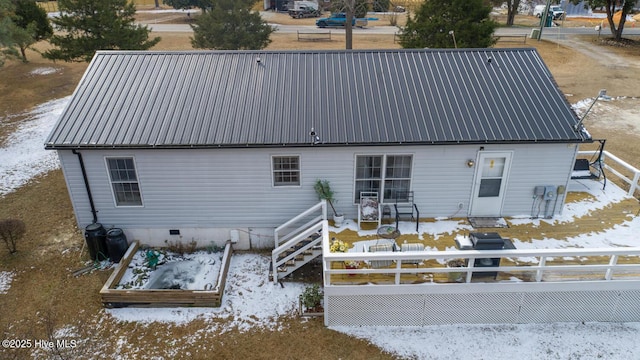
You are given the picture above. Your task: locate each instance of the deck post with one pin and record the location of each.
(612, 262)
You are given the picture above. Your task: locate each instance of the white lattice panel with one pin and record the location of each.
(628, 307)
(568, 306)
(464, 306)
(471, 308)
(378, 310)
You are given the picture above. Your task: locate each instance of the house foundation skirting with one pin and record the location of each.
(481, 303)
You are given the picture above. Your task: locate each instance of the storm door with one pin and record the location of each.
(492, 170)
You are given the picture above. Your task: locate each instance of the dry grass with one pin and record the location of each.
(50, 250)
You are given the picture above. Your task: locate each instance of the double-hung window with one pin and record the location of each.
(124, 181)
(389, 175)
(286, 170)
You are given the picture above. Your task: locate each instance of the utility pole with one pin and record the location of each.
(543, 19)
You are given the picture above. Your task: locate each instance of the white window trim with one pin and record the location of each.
(113, 194)
(383, 176)
(273, 184)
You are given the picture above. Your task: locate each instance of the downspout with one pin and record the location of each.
(86, 185)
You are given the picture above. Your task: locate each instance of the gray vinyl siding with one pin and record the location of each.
(214, 188)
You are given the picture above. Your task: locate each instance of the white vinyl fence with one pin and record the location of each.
(629, 174)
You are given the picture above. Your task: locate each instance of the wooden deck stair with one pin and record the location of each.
(298, 241)
(297, 256)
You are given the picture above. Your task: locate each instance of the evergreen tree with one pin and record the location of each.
(449, 23)
(8, 31)
(91, 25)
(34, 21)
(231, 25)
(190, 4)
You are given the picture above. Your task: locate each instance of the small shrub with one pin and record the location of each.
(312, 297)
(11, 231)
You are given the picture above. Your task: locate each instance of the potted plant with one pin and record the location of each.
(456, 276)
(340, 246)
(323, 189)
(311, 301)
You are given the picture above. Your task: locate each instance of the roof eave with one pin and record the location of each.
(299, 145)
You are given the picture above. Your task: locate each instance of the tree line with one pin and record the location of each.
(86, 26)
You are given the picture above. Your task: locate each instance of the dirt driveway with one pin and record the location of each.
(582, 66)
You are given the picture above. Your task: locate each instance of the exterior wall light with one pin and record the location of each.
(470, 163)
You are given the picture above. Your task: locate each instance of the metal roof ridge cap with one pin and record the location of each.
(308, 51)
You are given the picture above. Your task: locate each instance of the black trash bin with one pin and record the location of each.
(95, 236)
(117, 244)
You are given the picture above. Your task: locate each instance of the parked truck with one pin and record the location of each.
(340, 20)
(555, 12)
(304, 9)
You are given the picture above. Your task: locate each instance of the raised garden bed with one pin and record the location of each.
(171, 283)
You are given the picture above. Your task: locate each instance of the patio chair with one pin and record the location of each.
(369, 208)
(405, 207)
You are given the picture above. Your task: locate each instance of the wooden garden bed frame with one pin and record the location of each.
(112, 297)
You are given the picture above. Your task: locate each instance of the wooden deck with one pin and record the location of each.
(602, 219)
(523, 231)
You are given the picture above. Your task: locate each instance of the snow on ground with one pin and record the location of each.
(196, 271)
(44, 71)
(250, 300)
(5, 281)
(24, 156)
(611, 341)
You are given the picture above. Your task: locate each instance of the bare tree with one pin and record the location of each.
(352, 9)
(512, 9)
(625, 7)
(11, 231)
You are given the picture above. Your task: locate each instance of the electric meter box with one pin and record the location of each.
(549, 192)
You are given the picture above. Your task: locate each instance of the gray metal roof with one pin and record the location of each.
(274, 98)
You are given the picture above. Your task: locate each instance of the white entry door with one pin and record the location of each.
(492, 172)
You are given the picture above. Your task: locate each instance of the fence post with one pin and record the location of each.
(634, 183)
(612, 262)
(541, 263)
